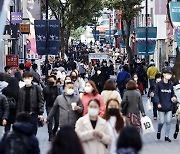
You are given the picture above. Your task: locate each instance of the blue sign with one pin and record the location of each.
(96, 35)
(177, 36)
(174, 8)
(141, 40)
(53, 37)
(109, 32)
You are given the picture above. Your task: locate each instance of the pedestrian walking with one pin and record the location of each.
(12, 93)
(31, 100)
(122, 79)
(134, 104)
(151, 73)
(129, 141)
(21, 140)
(110, 91)
(140, 85)
(68, 106)
(164, 98)
(93, 130)
(66, 142)
(91, 92)
(50, 92)
(115, 122)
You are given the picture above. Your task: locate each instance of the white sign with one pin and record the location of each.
(32, 56)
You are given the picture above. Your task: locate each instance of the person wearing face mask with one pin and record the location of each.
(151, 94)
(93, 130)
(91, 92)
(51, 91)
(79, 82)
(115, 122)
(31, 100)
(164, 98)
(140, 85)
(99, 79)
(68, 106)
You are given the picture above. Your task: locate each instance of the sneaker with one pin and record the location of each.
(158, 135)
(167, 139)
(175, 135)
(155, 118)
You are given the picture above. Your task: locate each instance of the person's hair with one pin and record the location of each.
(125, 68)
(73, 72)
(27, 74)
(6, 68)
(23, 117)
(131, 85)
(95, 91)
(158, 75)
(21, 66)
(129, 138)
(135, 74)
(119, 122)
(34, 66)
(110, 85)
(1, 76)
(18, 76)
(66, 83)
(94, 100)
(52, 76)
(66, 142)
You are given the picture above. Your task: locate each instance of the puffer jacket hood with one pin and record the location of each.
(25, 128)
(3, 85)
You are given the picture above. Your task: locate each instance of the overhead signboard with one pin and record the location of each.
(174, 8)
(12, 60)
(16, 17)
(25, 26)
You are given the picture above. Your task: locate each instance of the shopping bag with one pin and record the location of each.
(149, 105)
(147, 126)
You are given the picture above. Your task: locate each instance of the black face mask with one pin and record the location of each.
(51, 83)
(74, 78)
(113, 111)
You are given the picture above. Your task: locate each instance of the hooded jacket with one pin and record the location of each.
(27, 129)
(163, 94)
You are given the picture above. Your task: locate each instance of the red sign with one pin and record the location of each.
(12, 60)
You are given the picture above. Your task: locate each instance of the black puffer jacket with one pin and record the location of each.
(4, 108)
(36, 100)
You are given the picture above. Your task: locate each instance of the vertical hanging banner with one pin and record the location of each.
(141, 40)
(53, 37)
(177, 36)
(16, 17)
(174, 8)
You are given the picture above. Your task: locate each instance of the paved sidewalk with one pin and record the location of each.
(150, 144)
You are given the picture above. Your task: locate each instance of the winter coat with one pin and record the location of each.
(163, 94)
(110, 94)
(99, 80)
(126, 151)
(36, 100)
(4, 108)
(135, 104)
(177, 92)
(3, 84)
(26, 129)
(67, 116)
(151, 72)
(91, 144)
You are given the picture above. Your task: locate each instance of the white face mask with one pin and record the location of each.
(88, 89)
(98, 72)
(70, 91)
(93, 112)
(135, 79)
(158, 80)
(168, 76)
(63, 76)
(179, 81)
(66, 81)
(27, 82)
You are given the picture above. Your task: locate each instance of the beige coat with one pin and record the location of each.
(91, 144)
(109, 94)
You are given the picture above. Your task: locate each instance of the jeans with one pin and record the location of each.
(165, 117)
(53, 121)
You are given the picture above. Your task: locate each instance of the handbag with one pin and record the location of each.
(147, 125)
(125, 106)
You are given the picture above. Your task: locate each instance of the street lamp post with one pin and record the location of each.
(47, 44)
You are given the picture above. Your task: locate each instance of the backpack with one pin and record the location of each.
(11, 102)
(16, 143)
